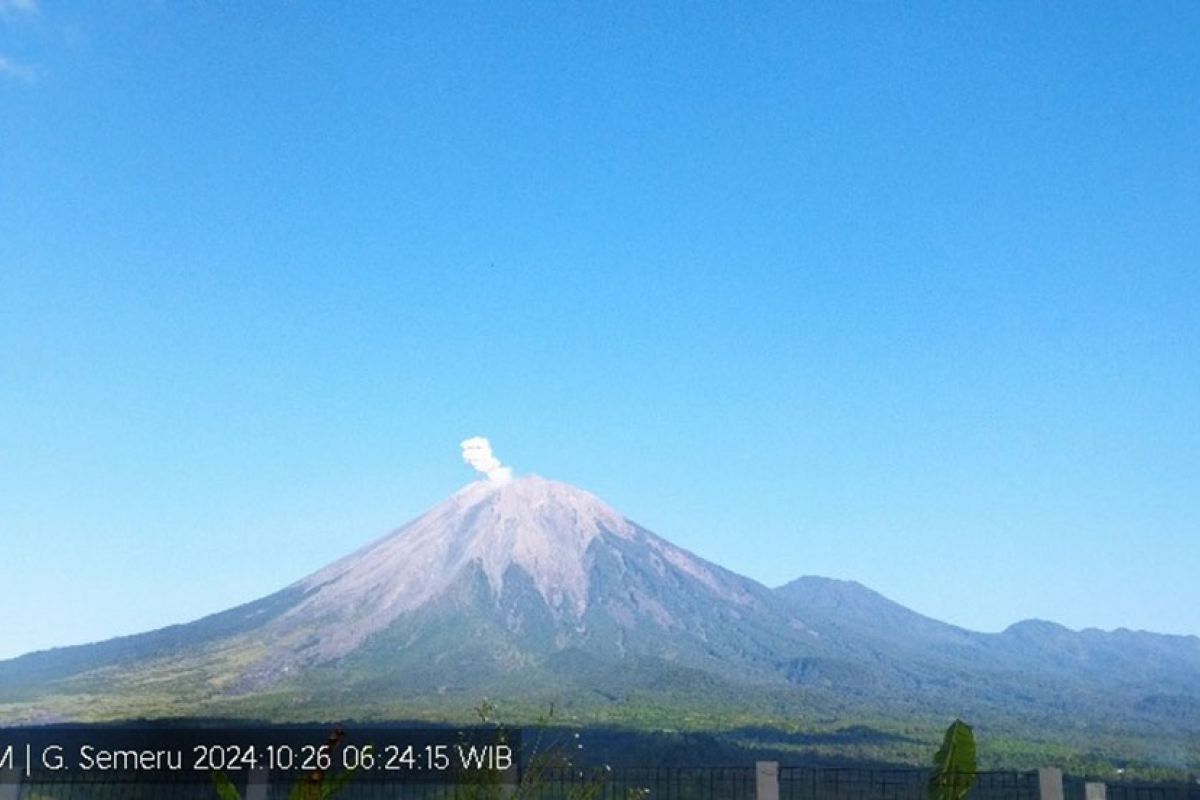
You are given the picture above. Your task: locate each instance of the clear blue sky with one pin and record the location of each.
(904, 293)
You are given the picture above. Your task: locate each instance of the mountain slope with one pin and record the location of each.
(548, 567)
(1033, 666)
(537, 591)
(500, 578)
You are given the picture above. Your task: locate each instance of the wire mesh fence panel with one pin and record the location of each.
(800, 783)
(1130, 790)
(1005, 786)
(647, 783)
(806, 783)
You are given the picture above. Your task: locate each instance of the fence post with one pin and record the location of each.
(258, 785)
(10, 784)
(1050, 783)
(1095, 791)
(510, 782)
(766, 780)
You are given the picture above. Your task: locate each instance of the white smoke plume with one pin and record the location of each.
(477, 451)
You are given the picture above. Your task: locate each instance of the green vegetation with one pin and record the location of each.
(954, 764)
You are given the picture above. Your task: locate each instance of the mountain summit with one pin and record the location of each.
(541, 528)
(523, 536)
(536, 591)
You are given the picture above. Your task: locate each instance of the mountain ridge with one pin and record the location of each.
(537, 591)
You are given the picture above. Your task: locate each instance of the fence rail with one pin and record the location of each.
(766, 781)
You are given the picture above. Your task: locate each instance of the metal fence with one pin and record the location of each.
(662, 783)
(652, 783)
(805, 783)
(632, 783)
(1153, 791)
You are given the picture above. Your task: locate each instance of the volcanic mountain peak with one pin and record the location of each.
(531, 589)
(541, 526)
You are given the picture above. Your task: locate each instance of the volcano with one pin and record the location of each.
(536, 592)
(503, 578)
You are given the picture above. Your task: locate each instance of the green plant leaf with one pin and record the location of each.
(954, 764)
(225, 788)
(337, 783)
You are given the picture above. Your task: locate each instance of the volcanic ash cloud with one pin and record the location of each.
(477, 451)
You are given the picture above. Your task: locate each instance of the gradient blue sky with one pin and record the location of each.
(901, 293)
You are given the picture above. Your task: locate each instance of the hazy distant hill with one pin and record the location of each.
(535, 592)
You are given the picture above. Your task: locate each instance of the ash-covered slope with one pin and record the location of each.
(527, 572)
(536, 591)
(547, 537)
(505, 585)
